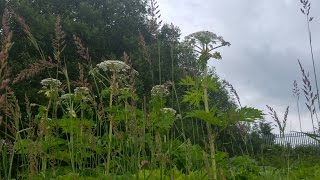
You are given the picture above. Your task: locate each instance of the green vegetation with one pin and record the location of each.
(102, 90)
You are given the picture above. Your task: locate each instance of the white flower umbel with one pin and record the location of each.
(81, 90)
(178, 116)
(67, 97)
(168, 110)
(50, 82)
(83, 93)
(113, 66)
(159, 90)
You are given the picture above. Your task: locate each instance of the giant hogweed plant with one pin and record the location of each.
(115, 83)
(162, 120)
(204, 43)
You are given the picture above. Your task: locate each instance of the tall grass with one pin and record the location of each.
(296, 94)
(306, 6)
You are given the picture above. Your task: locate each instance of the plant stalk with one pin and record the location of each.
(110, 125)
(210, 135)
(313, 63)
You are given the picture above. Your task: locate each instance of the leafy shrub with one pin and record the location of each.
(243, 167)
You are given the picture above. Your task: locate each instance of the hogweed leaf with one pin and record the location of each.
(250, 114)
(206, 116)
(212, 84)
(193, 97)
(187, 81)
(216, 55)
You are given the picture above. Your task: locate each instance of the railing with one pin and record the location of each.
(292, 139)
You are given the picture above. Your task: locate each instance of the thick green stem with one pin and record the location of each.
(110, 125)
(44, 156)
(71, 147)
(109, 149)
(210, 135)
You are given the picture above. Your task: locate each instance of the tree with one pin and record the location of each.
(109, 28)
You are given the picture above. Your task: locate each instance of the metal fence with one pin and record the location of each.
(292, 139)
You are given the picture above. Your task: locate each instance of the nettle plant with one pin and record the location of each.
(204, 43)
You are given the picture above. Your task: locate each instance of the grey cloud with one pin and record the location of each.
(267, 37)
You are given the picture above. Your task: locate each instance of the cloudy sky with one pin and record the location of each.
(267, 37)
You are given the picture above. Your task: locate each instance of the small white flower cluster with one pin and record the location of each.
(178, 116)
(67, 96)
(134, 72)
(159, 90)
(113, 66)
(81, 91)
(168, 110)
(50, 82)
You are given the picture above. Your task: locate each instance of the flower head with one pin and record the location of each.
(50, 87)
(50, 82)
(159, 90)
(168, 110)
(82, 92)
(113, 66)
(67, 96)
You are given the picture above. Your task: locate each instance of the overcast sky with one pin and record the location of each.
(267, 37)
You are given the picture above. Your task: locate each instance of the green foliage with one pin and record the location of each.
(174, 173)
(300, 156)
(186, 156)
(223, 119)
(270, 173)
(243, 167)
(250, 114)
(188, 81)
(194, 96)
(73, 126)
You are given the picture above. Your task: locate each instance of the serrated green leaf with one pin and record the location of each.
(216, 55)
(250, 114)
(187, 81)
(193, 97)
(212, 84)
(207, 116)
